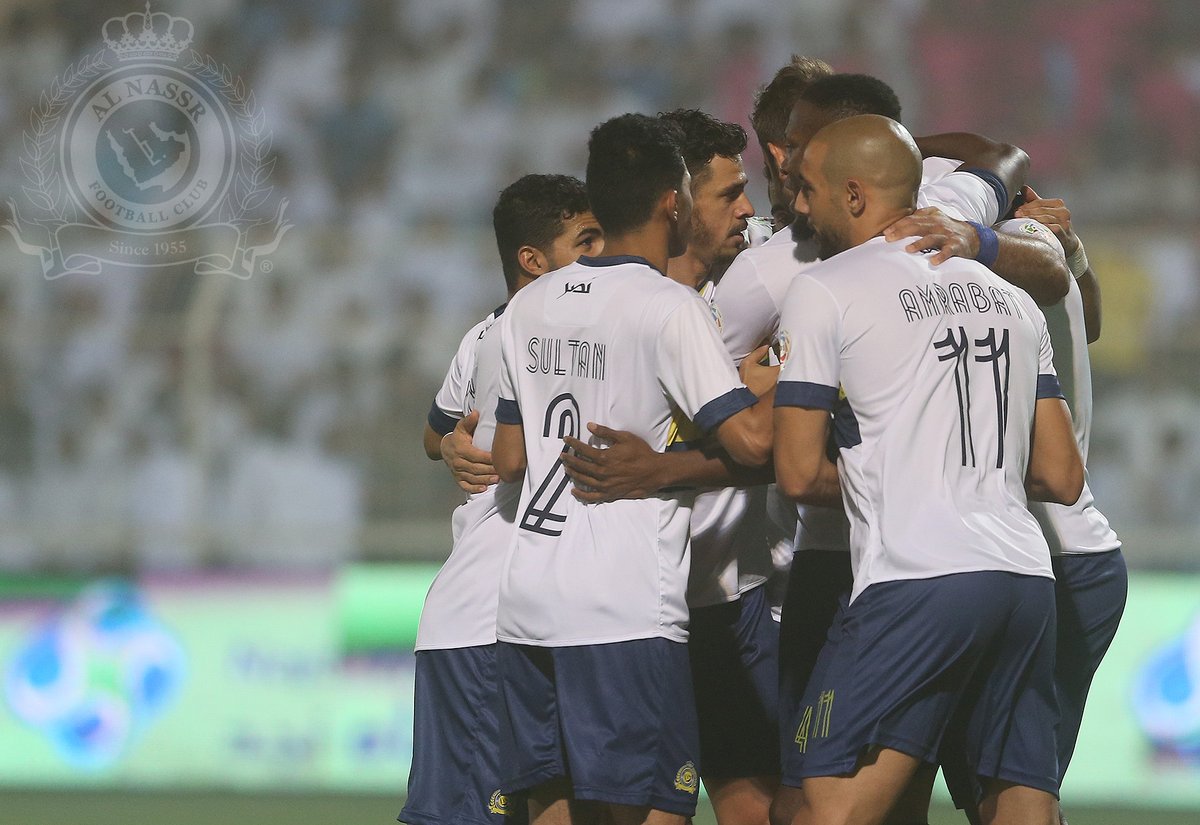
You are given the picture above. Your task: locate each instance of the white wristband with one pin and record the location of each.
(1078, 262)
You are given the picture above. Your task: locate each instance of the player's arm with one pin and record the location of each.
(803, 470)
(1054, 215)
(808, 390)
(629, 468)
(1055, 471)
(508, 452)
(470, 466)
(1028, 262)
(1004, 166)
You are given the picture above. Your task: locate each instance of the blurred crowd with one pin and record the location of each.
(148, 417)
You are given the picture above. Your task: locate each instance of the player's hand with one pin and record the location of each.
(756, 373)
(1051, 213)
(625, 469)
(471, 467)
(935, 230)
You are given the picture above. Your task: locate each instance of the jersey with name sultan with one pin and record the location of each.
(940, 368)
(609, 340)
(460, 608)
(1080, 527)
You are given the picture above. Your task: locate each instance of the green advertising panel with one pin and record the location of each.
(269, 683)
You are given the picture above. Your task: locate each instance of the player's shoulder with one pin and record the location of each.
(775, 260)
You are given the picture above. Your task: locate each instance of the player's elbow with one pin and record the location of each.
(746, 436)
(1055, 283)
(509, 468)
(432, 443)
(1062, 484)
(749, 449)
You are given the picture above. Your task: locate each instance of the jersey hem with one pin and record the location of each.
(516, 640)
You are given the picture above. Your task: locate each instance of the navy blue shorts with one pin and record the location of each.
(734, 650)
(908, 658)
(618, 720)
(819, 581)
(456, 752)
(1090, 592)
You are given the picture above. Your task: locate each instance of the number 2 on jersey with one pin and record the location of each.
(561, 419)
(956, 345)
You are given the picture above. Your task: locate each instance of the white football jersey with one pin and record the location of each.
(609, 340)
(460, 608)
(932, 374)
(1079, 528)
(751, 293)
(730, 551)
(456, 397)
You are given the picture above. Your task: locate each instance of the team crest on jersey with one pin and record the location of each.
(783, 345)
(686, 778)
(498, 804)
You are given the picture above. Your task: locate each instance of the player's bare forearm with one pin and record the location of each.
(508, 452)
(1030, 263)
(1055, 471)
(803, 471)
(1007, 162)
(629, 468)
(1033, 265)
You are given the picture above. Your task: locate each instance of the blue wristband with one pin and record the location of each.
(989, 244)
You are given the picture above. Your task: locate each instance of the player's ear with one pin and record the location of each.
(779, 155)
(533, 261)
(670, 203)
(856, 197)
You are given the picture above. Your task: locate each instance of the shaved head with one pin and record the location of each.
(875, 150)
(857, 176)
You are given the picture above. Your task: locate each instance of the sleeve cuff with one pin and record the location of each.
(507, 412)
(805, 394)
(998, 187)
(712, 414)
(439, 421)
(1048, 387)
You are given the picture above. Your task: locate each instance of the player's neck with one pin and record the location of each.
(687, 270)
(648, 241)
(873, 225)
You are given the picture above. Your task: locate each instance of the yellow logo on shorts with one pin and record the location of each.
(686, 778)
(498, 804)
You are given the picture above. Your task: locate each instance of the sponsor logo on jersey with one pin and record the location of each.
(498, 804)
(686, 778)
(578, 289)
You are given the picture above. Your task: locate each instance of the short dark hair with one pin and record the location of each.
(846, 95)
(632, 160)
(702, 137)
(773, 103)
(531, 212)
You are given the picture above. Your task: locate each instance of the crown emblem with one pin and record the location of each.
(145, 34)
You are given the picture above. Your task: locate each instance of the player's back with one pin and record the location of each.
(601, 340)
(940, 368)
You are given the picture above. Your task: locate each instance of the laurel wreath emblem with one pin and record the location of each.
(45, 188)
(254, 163)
